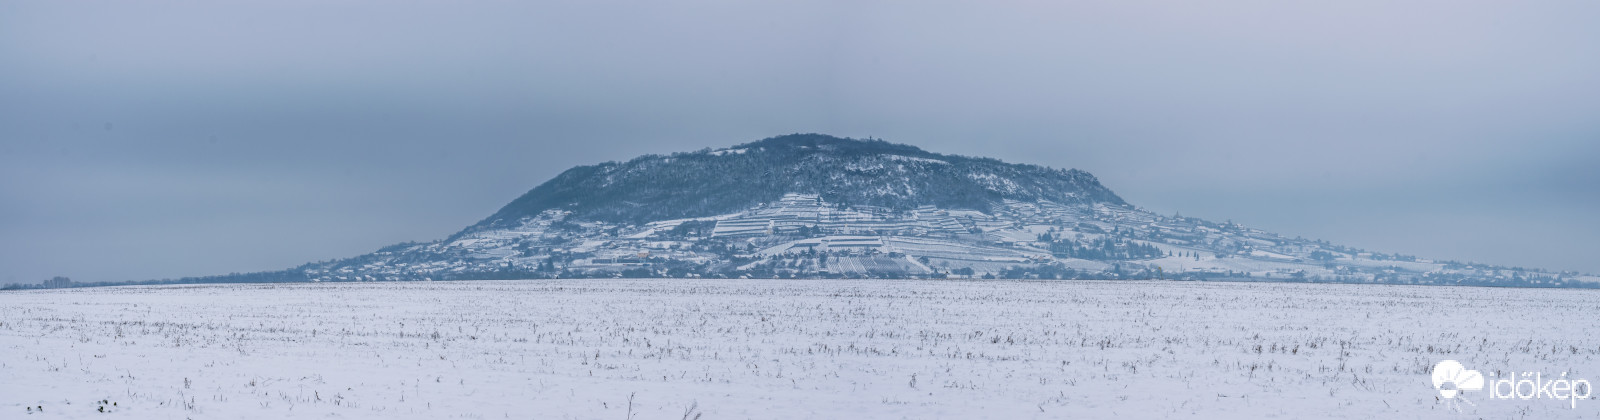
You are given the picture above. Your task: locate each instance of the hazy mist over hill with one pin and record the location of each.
(163, 139)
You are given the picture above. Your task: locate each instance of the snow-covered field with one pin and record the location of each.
(736, 349)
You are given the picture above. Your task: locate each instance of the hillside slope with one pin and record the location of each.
(843, 171)
(812, 205)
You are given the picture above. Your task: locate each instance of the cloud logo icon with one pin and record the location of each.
(1450, 378)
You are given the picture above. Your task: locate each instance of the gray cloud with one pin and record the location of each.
(161, 139)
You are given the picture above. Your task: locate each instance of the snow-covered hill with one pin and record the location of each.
(819, 206)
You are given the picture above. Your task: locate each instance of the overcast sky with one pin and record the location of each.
(145, 140)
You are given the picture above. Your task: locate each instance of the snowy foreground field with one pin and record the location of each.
(765, 349)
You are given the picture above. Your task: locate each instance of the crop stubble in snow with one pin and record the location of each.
(780, 349)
